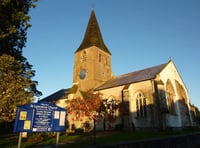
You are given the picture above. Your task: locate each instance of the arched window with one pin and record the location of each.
(137, 108)
(141, 108)
(170, 96)
(181, 92)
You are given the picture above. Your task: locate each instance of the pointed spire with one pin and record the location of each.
(93, 35)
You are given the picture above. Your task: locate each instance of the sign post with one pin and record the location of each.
(19, 140)
(57, 137)
(40, 117)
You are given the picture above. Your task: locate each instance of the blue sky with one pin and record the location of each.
(139, 34)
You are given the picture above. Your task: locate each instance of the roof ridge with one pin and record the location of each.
(142, 69)
(132, 77)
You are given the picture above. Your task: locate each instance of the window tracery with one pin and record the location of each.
(141, 108)
(170, 97)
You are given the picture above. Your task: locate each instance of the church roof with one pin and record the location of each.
(93, 35)
(133, 77)
(56, 96)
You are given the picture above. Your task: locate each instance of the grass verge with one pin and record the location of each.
(81, 140)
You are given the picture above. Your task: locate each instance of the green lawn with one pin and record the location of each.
(35, 139)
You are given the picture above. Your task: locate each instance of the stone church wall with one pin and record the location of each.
(172, 121)
(182, 116)
(150, 120)
(145, 88)
(89, 59)
(113, 92)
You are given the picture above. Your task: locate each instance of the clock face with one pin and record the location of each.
(82, 74)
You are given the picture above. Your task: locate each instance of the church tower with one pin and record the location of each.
(92, 60)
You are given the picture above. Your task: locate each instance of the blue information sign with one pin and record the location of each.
(40, 117)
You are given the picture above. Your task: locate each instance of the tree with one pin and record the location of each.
(93, 107)
(15, 87)
(108, 109)
(196, 114)
(86, 107)
(14, 23)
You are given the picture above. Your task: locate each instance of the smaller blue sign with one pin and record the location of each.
(40, 117)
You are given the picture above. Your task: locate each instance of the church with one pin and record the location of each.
(155, 97)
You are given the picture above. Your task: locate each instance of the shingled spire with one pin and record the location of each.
(93, 35)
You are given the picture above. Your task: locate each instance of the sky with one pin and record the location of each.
(138, 33)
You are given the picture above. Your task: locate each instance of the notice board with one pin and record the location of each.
(40, 117)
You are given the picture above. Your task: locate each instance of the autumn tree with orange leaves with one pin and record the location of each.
(92, 107)
(88, 106)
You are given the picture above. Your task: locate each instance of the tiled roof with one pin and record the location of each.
(133, 77)
(93, 35)
(56, 96)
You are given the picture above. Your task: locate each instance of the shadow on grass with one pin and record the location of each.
(8, 142)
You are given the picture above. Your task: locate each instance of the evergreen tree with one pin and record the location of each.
(197, 115)
(16, 84)
(15, 87)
